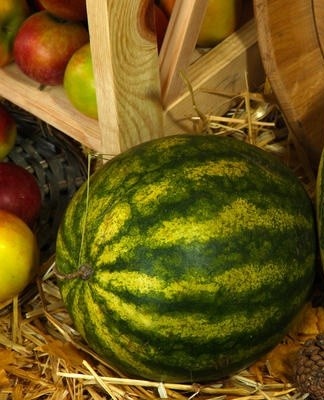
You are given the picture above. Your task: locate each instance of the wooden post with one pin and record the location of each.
(126, 65)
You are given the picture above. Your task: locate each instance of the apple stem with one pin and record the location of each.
(84, 272)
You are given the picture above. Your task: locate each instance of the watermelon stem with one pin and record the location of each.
(84, 272)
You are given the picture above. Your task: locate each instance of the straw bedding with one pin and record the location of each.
(43, 357)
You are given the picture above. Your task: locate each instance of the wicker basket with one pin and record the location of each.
(57, 163)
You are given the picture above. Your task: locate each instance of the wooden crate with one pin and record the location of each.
(132, 103)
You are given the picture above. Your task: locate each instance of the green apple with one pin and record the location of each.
(19, 254)
(12, 14)
(221, 20)
(79, 84)
(8, 132)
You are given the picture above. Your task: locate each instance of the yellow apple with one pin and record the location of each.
(19, 255)
(221, 20)
(12, 14)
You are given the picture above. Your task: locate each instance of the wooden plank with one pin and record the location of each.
(50, 105)
(222, 69)
(125, 59)
(293, 61)
(319, 21)
(178, 45)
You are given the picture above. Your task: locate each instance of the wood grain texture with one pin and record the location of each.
(124, 123)
(178, 46)
(318, 6)
(293, 61)
(50, 105)
(222, 69)
(126, 66)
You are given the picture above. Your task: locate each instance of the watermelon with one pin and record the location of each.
(186, 258)
(320, 207)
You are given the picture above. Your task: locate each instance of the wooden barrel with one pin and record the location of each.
(291, 41)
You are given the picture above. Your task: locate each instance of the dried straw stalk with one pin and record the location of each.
(43, 357)
(255, 117)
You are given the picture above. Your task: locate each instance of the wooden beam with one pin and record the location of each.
(126, 65)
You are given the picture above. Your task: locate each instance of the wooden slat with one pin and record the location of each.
(222, 69)
(178, 46)
(50, 105)
(125, 59)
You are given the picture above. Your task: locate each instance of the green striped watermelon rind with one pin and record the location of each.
(188, 324)
(320, 207)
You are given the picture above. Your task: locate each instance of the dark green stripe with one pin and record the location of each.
(236, 347)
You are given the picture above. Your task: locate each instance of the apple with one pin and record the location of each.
(35, 5)
(161, 25)
(19, 255)
(78, 81)
(221, 20)
(8, 132)
(19, 193)
(166, 6)
(44, 45)
(79, 84)
(73, 10)
(12, 14)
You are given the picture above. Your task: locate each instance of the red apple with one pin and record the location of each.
(35, 5)
(12, 14)
(8, 132)
(167, 6)
(161, 24)
(44, 45)
(19, 192)
(73, 10)
(79, 84)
